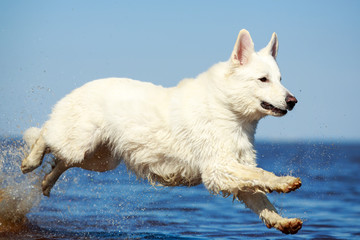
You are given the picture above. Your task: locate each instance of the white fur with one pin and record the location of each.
(31, 135)
(201, 131)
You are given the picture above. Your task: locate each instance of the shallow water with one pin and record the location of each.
(114, 205)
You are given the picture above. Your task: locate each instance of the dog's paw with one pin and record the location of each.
(46, 190)
(288, 184)
(27, 166)
(46, 187)
(288, 226)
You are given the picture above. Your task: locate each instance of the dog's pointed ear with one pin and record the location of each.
(273, 46)
(243, 48)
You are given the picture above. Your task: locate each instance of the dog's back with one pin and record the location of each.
(103, 110)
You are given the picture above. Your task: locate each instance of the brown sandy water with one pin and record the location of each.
(18, 192)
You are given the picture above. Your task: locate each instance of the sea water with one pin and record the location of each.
(115, 205)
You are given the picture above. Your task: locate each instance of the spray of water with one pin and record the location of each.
(18, 192)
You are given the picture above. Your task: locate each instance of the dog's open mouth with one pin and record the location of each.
(275, 111)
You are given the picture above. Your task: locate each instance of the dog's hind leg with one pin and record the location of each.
(259, 203)
(51, 178)
(37, 153)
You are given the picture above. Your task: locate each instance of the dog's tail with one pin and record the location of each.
(31, 135)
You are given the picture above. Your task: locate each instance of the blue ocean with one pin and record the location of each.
(116, 205)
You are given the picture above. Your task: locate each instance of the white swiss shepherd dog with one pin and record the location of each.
(201, 131)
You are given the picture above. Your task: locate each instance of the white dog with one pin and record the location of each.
(201, 131)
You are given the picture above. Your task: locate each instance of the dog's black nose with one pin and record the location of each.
(290, 101)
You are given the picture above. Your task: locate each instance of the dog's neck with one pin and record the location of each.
(240, 129)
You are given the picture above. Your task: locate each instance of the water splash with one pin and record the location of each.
(18, 192)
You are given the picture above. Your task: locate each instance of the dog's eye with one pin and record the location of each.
(264, 79)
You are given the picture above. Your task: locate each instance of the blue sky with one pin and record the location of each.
(48, 48)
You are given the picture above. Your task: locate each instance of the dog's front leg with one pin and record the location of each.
(282, 184)
(231, 177)
(259, 203)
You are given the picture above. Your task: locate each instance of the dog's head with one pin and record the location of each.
(254, 81)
